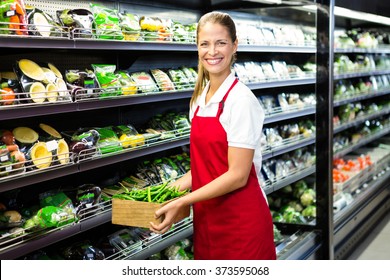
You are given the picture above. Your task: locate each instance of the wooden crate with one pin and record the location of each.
(139, 213)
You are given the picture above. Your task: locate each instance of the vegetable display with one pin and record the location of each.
(106, 22)
(294, 203)
(13, 17)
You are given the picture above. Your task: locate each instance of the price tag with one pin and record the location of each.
(10, 13)
(4, 158)
(52, 145)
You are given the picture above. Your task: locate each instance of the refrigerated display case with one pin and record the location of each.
(299, 70)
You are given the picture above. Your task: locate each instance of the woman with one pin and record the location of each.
(231, 216)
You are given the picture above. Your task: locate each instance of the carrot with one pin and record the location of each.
(19, 9)
(7, 96)
(12, 148)
(14, 27)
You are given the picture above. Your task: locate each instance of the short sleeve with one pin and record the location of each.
(245, 122)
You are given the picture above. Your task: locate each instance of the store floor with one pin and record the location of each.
(376, 246)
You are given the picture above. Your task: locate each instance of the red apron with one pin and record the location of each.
(237, 225)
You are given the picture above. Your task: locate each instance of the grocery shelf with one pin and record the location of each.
(284, 115)
(291, 178)
(288, 146)
(35, 42)
(357, 219)
(88, 44)
(32, 110)
(17, 112)
(365, 96)
(377, 50)
(86, 104)
(167, 239)
(365, 141)
(277, 48)
(36, 176)
(30, 244)
(361, 74)
(360, 120)
(368, 188)
(123, 155)
(282, 83)
(298, 246)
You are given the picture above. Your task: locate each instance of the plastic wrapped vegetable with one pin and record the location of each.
(129, 136)
(43, 24)
(144, 82)
(83, 83)
(179, 78)
(83, 143)
(57, 199)
(180, 34)
(79, 21)
(49, 217)
(129, 87)
(163, 80)
(13, 17)
(82, 251)
(108, 141)
(191, 74)
(129, 24)
(106, 22)
(108, 80)
(87, 196)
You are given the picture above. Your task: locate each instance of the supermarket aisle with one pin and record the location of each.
(377, 245)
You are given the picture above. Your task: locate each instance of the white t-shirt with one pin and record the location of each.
(242, 116)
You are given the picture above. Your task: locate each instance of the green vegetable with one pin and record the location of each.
(308, 197)
(66, 18)
(159, 193)
(294, 217)
(299, 188)
(310, 211)
(108, 141)
(296, 206)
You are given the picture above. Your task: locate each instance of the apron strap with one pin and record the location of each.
(222, 103)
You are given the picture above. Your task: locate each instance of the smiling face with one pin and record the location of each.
(216, 49)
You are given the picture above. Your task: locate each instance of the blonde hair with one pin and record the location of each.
(225, 20)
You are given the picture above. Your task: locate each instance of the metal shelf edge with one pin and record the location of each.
(111, 159)
(161, 245)
(33, 178)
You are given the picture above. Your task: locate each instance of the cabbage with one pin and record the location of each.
(308, 197)
(310, 211)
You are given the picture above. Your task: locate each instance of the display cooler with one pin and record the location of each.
(95, 97)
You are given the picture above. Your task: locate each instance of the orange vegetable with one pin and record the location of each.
(7, 96)
(19, 9)
(12, 148)
(14, 27)
(18, 157)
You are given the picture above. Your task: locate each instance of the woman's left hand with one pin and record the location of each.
(169, 213)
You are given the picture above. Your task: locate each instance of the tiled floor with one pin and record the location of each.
(377, 245)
